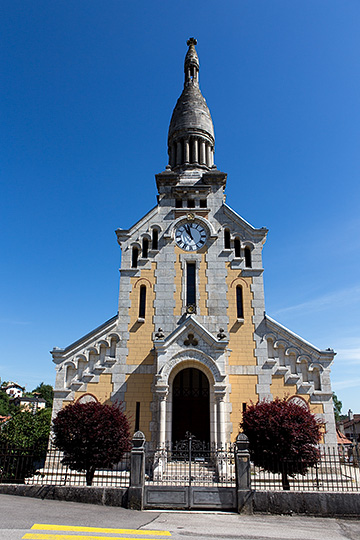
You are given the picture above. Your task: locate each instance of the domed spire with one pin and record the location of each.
(191, 133)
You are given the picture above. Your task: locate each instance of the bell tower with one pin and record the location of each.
(191, 345)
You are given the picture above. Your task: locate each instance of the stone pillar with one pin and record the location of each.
(221, 420)
(178, 153)
(186, 151)
(211, 156)
(208, 157)
(137, 472)
(243, 478)
(202, 152)
(162, 418)
(195, 150)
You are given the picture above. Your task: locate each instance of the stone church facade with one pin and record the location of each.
(191, 345)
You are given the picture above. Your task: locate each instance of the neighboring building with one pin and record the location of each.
(30, 403)
(351, 428)
(13, 390)
(191, 346)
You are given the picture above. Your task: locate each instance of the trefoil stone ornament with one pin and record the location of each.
(191, 340)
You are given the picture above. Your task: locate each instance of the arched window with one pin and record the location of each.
(227, 239)
(155, 239)
(145, 248)
(190, 284)
(142, 302)
(316, 379)
(134, 258)
(239, 302)
(247, 252)
(237, 247)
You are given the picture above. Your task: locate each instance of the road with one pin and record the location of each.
(19, 515)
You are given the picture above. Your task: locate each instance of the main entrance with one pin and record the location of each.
(191, 407)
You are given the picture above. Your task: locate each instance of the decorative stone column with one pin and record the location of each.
(195, 150)
(220, 405)
(186, 150)
(208, 157)
(162, 395)
(202, 152)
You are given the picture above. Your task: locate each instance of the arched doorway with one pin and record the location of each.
(190, 407)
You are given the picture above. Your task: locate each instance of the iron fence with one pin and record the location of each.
(185, 463)
(333, 472)
(190, 462)
(16, 463)
(19, 466)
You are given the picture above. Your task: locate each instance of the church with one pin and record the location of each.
(191, 347)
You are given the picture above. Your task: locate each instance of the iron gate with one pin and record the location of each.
(190, 474)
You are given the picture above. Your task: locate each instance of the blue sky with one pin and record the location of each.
(87, 92)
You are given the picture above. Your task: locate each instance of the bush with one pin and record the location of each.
(92, 436)
(282, 436)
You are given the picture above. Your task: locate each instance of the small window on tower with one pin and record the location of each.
(190, 284)
(247, 252)
(239, 302)
(135, 257)
(137, 416)
(227, 239)
(145, 248)
(191, 203)
(178, 203)
(202, 203)
(142, 302)
(237, 247)
(155, 239)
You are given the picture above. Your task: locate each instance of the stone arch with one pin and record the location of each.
(239, 281)
(200, 360)
(70, 373)
(87, 398)
(141, 281)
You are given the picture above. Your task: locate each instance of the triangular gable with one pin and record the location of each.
(297, 341)
(86, 340)
(234, 216)
(125, 234)
(191, 325)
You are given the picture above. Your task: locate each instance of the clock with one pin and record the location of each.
(190, 236)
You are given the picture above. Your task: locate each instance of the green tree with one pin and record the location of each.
(6, 406)
(337, 407)
(45, 391)
(4, 403)
(282, 436)
(91, 435)
(28, 432)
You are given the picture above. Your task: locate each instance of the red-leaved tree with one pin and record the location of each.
(92, 436)
(282, 436)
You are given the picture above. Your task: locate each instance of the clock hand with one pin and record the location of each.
(188, 230)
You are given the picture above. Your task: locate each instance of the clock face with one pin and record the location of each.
(190, 236)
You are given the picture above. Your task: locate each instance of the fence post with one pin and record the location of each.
(137, 472)
(243, 483)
